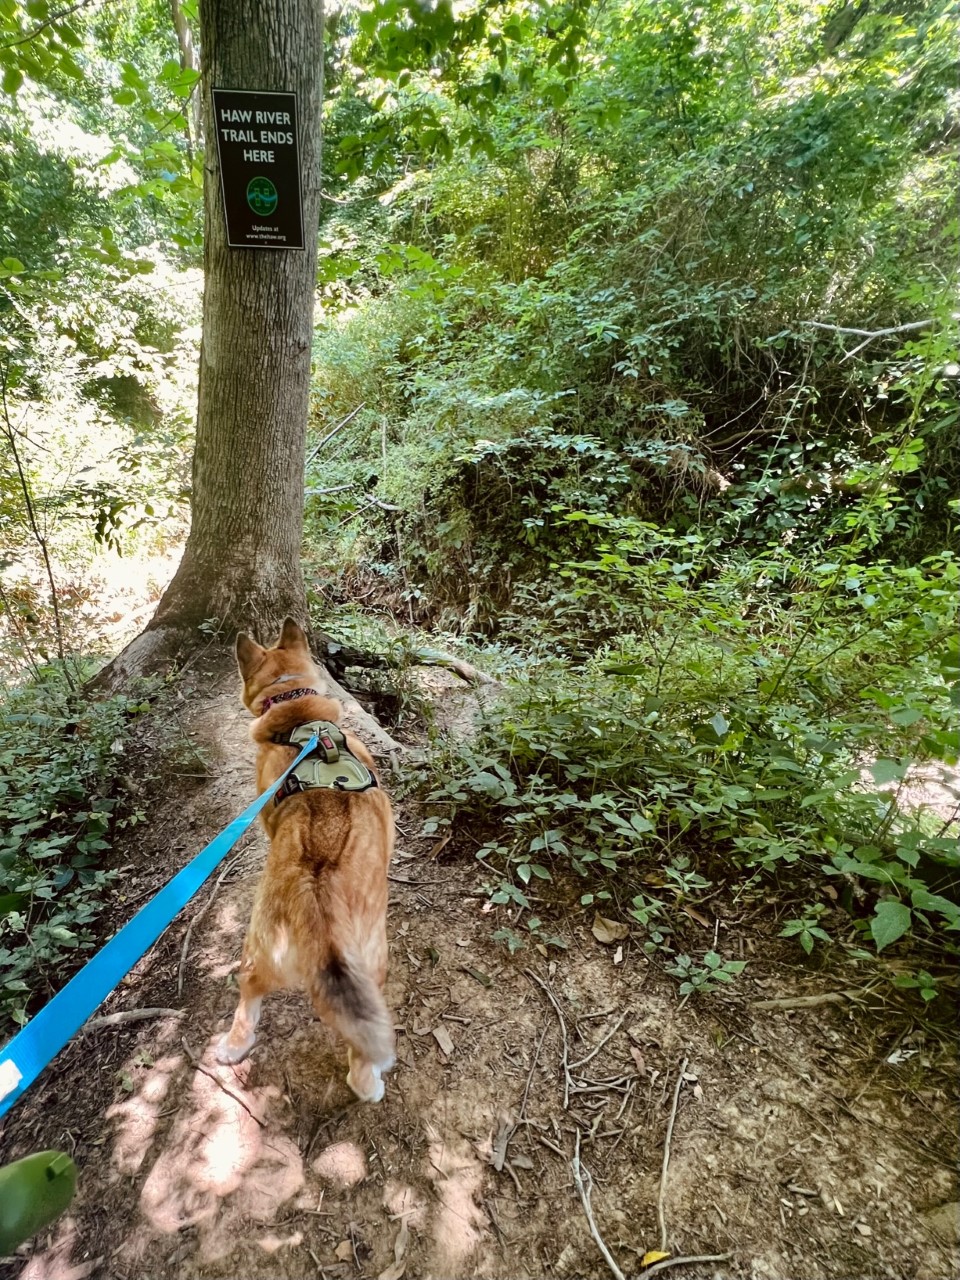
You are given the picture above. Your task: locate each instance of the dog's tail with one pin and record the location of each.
(350, 998)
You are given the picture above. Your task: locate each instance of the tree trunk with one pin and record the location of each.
(241, 565)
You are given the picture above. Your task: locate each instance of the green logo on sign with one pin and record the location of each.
(261, 196)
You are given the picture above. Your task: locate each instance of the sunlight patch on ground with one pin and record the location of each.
(219, 1163)
(342, 1163)
(457, 1177)
(55, 1263)
(402, 1201)
(136, 1117)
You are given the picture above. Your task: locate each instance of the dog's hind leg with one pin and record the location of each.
(350, 999)
(240, 1039)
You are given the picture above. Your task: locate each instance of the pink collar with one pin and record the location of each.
(287, 697)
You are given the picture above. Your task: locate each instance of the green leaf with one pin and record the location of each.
(906, 716)
(885, 770)
(12, 80)
(891, 921)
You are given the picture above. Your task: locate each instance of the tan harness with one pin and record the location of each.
(331, 765)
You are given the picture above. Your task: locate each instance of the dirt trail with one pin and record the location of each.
(807, 1144)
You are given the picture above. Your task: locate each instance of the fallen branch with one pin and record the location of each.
(868, 335)
(465, 670)
(661, 1215)
(584, 1184)
(320, 493)
(567, 1081)
(126, 1016)
(330, 434)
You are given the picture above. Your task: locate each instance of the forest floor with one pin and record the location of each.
(806, 1143)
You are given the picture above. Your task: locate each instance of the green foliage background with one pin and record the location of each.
(648, 317)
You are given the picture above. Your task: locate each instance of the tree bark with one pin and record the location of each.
(241, 565)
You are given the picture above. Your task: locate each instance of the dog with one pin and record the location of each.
(319, 920)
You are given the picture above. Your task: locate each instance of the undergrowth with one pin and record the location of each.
(61, 756)
(759, 720)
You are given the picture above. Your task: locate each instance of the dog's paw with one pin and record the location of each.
(227, 1054)
(367, 1084)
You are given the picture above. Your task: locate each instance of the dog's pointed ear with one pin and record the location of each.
(249, 655)
(292, 636)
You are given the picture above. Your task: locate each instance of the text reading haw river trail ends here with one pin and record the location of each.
(265, 137)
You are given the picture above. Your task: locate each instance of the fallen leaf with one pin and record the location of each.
(522, 1162)
(655, 1255)
(400, 1245)
(698, 1092)
(499, 1147)
(343, 1251)
(478, 976)
(608, 931)
(618, 957)
(638, 1059)
(442, 1037)
(441, 845)
(863, 1229)
(695, 915)
(393, 1272)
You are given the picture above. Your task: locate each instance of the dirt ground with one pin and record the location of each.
(806, 1144)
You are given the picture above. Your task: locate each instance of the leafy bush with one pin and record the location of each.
(60, 757)
(759, 719)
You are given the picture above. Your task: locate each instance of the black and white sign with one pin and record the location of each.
(257, 142)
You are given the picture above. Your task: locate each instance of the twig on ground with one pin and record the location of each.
(664, 1263)
(806, 1002)
(128, 1015)
(567, 1082)
(217, 1081)
(533, 1067)
(584, 1184)
(609, 1036)
(661, 1216)
(198, 917)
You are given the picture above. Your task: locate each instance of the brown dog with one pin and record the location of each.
(319, 918)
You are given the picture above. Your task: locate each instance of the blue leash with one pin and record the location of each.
(35, 1047)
